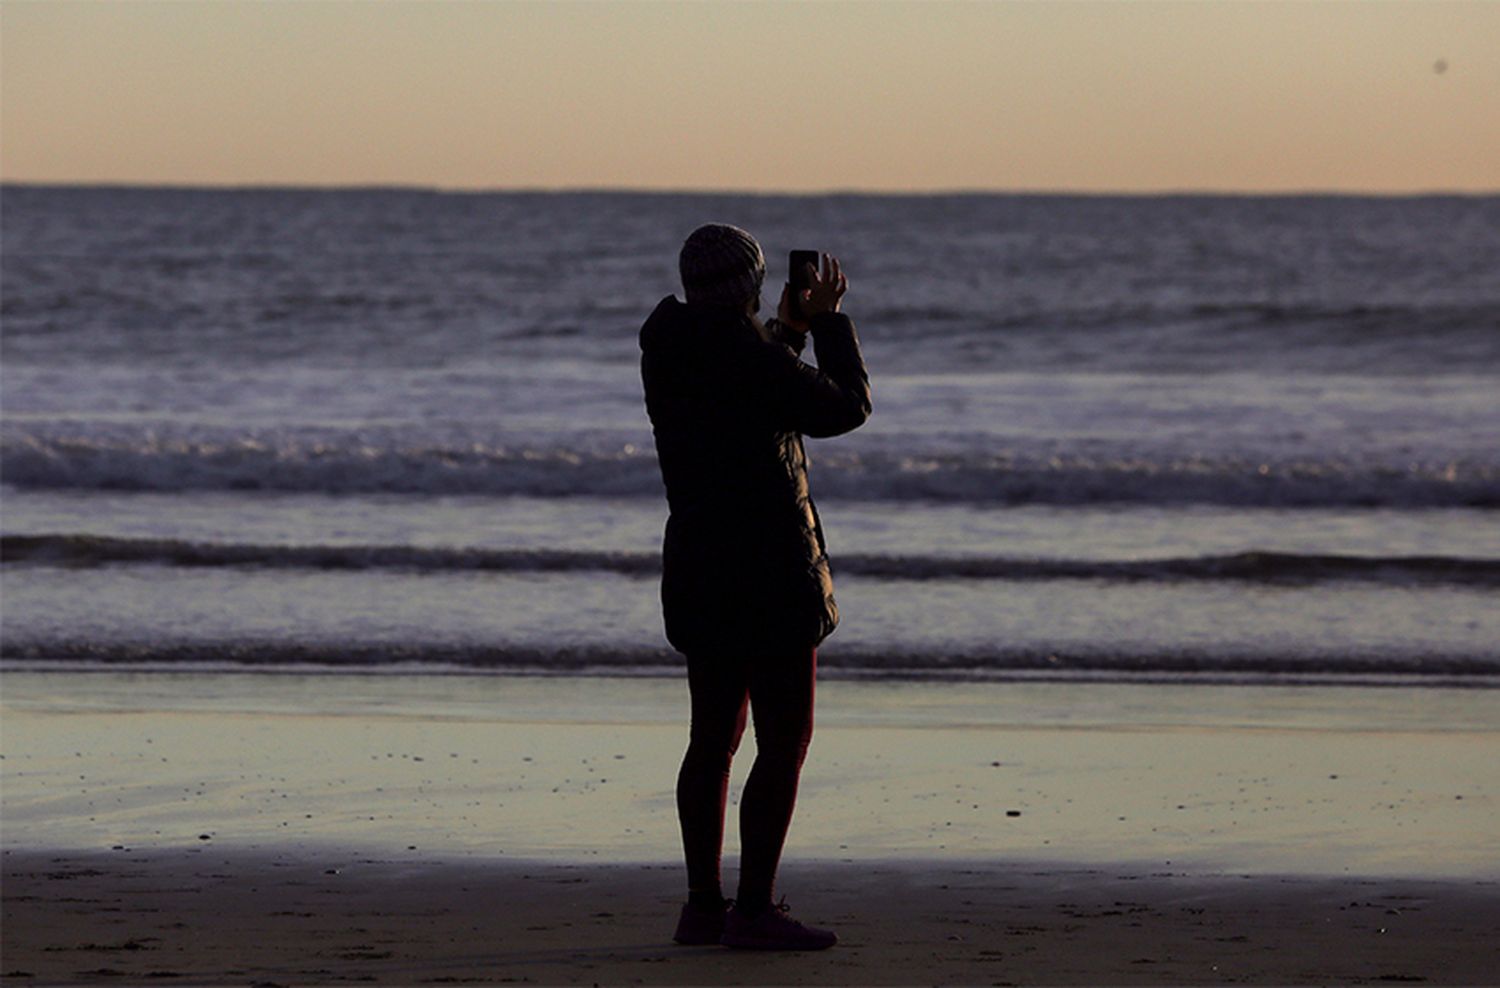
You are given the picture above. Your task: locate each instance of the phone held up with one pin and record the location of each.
(798, 279)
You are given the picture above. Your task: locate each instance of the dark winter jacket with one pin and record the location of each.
(744, 565)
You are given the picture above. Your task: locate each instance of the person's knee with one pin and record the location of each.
(714, 748)
(785, 741)
(782, 701)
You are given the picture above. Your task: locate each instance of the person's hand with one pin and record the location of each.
(824, 290)
(823, 293)
(787, 314)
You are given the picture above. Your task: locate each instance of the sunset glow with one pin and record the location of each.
(1366, 97)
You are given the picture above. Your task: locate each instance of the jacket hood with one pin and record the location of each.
(676, 325)
(665, 325)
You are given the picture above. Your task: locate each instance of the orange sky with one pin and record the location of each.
(761, 96)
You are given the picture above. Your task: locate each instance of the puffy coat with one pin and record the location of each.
(744, 564)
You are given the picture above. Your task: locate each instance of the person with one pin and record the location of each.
(745, 589)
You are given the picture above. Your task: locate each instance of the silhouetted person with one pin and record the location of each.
(745, 588)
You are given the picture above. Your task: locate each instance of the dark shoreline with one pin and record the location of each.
(293, 915)
(300, 916)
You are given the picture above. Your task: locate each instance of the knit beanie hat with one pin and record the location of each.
(721, 265)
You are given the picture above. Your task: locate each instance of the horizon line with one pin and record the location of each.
(957, 191)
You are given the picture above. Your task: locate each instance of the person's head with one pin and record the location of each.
(722, 265)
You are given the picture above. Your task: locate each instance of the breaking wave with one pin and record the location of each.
(1252, 566)
(408, 657)
(353, 467)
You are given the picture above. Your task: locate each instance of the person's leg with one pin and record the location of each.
(719, 694)
(781, 700)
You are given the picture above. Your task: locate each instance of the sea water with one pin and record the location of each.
(1196, 439)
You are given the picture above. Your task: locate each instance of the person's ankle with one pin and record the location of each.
(752, 906)
(706, 899)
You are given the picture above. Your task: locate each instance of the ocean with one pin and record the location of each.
(1185, 439)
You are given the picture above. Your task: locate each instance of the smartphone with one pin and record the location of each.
(800, 259)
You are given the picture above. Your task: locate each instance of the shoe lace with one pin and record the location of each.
(784, 912)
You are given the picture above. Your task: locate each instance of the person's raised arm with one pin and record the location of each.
(834, 397)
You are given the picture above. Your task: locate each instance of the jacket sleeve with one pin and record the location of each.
(786, 335)
(827, 400)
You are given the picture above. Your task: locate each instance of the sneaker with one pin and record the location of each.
(698, 926)
(773, 929)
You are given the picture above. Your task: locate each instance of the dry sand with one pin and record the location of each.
(204, 916)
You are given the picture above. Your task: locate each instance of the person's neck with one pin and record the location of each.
(760, 328)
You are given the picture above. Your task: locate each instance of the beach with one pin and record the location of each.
(333, 646)
(316, 829)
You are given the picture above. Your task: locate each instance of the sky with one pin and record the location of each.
(893, 97)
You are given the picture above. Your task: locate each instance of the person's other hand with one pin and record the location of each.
(787, 314)
(824, 289)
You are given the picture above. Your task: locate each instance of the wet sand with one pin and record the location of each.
(1211, 780)
(204, 916)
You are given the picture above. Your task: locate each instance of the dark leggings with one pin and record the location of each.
(779, 693)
